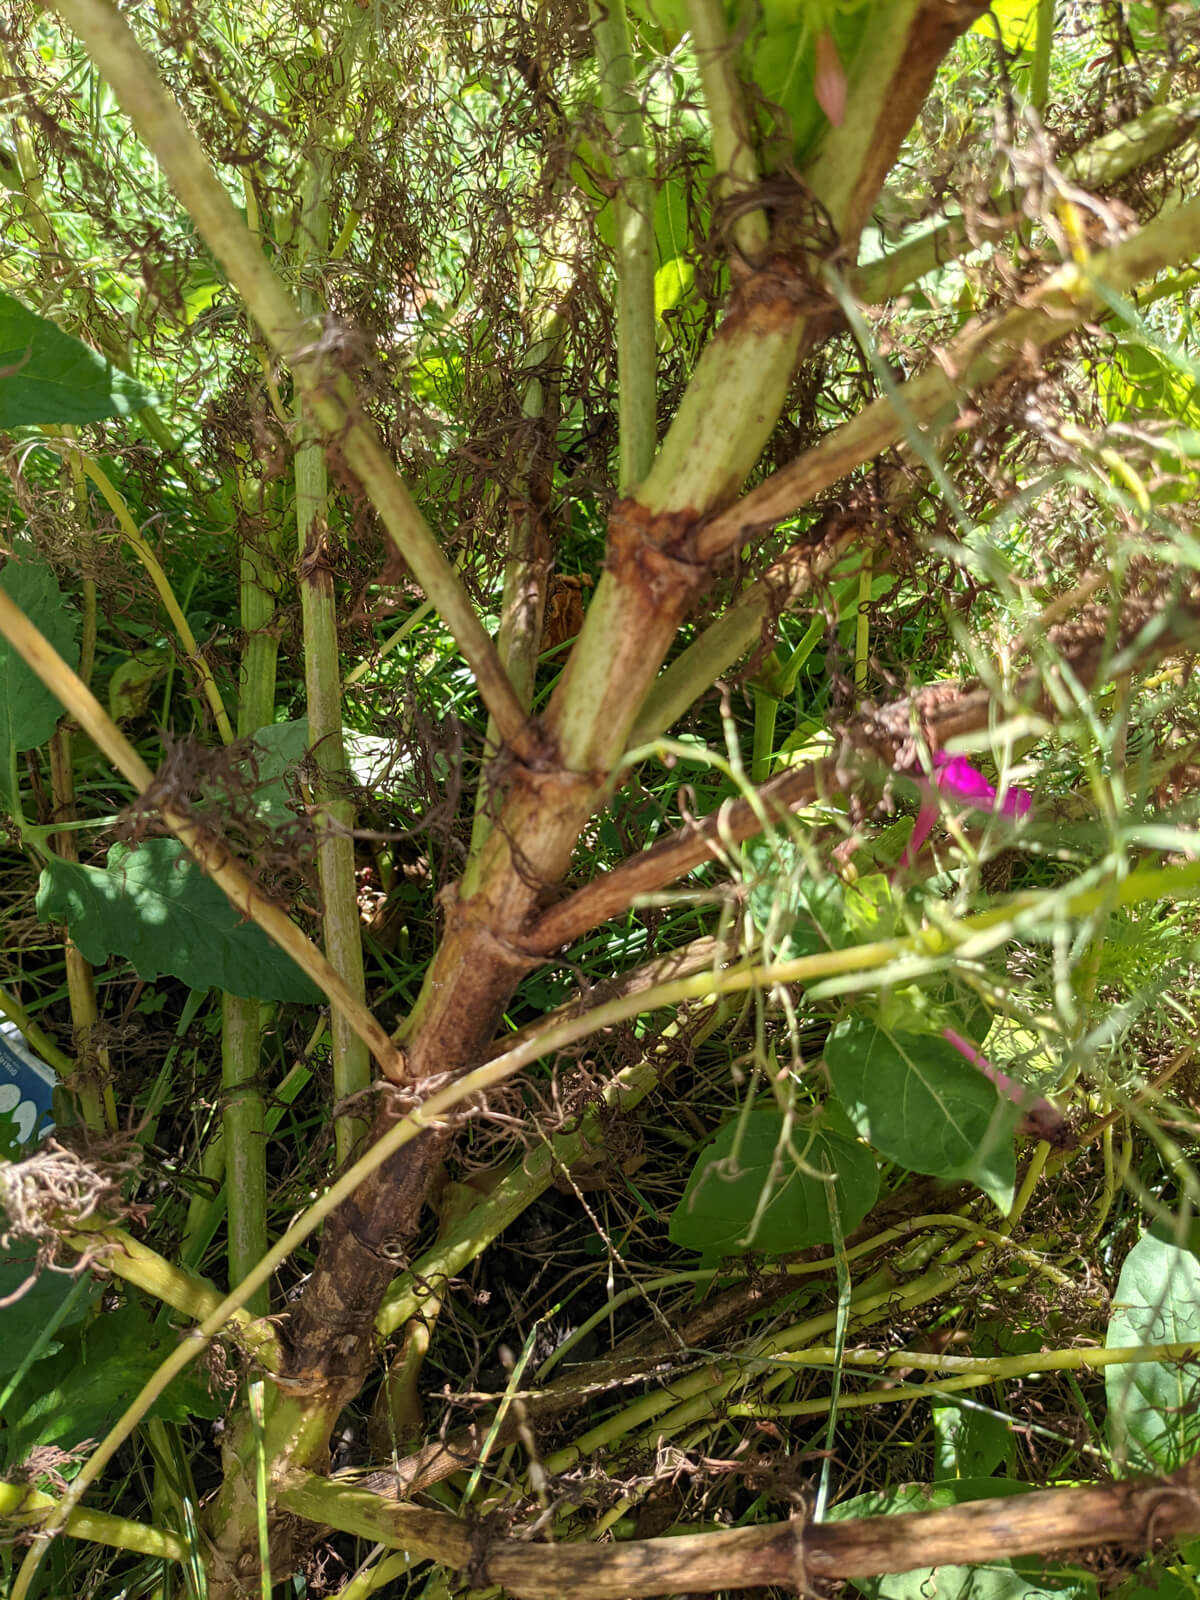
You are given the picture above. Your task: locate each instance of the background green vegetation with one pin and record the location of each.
(724, 1167)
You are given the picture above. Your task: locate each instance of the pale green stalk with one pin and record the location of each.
(328, 393)
(322, 677)
(700, 1394)
(13, 1011)
(1039, 77)
(135, 1263)
(633, 211)
(1097, 166)
(244, 1140)
(207, 1208)
(90, 1080)
(19, 1503)
(733, 151)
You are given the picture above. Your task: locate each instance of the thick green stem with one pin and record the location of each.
(633, 209)
(85, 1082)
(1039, 78)
(244, 1138)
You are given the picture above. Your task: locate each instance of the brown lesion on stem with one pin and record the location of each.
(891, 736)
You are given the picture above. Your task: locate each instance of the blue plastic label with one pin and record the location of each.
(26, 1086)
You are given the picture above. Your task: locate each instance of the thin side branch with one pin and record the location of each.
(932, 399)
(888, 734)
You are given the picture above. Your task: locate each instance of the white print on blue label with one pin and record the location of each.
(26, 1086)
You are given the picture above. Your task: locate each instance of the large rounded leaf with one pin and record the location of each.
(47, 376)
(156, 907)
(751, 1158)
(915, 1098)
(1154, 1406)
(29, 711)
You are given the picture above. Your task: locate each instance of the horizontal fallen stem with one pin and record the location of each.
(792, 1554)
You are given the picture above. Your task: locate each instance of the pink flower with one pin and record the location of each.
(958, 779)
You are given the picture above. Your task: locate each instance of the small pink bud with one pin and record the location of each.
(829, 81)
(1040, 1118)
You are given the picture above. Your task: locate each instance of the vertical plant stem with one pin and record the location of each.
(528, 568)
(85, 1081)
(89, 1083)
(733, 149)
(633, 209)
(322, 677)
(243, 1118)
(862, 623)
(244, 1141)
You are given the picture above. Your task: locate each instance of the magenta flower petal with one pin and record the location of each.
(1040, 1118)
(964, 782)
(1017, 803)
(922, 828)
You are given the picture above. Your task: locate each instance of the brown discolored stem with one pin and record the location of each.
(794, 1555)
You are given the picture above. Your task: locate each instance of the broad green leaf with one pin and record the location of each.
(750, 1158)
(47, 376)
(672, 282)
(132, 684)
(80, 1392)
(28, 711)
(915, 1098)
(37, 1305)
(156, 907)
(993, 1580)
(1137, 379)
(1156, 1581)
(805, 915)
(931, 1006)
(282, 747)
(1154, 1406)
(968, 1442)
